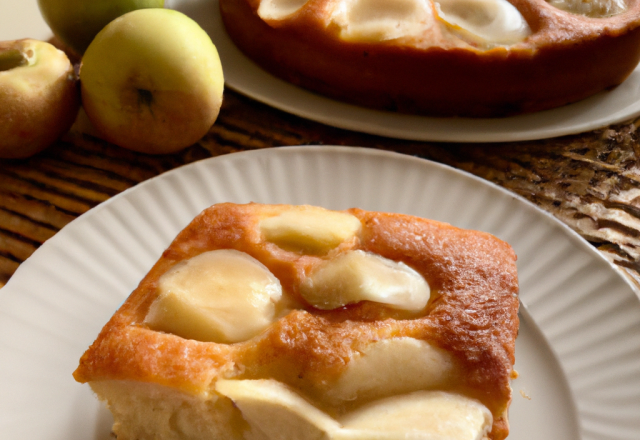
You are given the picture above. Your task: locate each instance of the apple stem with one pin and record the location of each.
(11, 59)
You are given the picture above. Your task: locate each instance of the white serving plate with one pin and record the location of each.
(578, 352)
(22, 19)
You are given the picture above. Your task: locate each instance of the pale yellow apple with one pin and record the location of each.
(39, 97)
(152, 81)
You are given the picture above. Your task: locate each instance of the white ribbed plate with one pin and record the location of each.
(578, 352)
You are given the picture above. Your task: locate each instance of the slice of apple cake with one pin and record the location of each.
(297, 322)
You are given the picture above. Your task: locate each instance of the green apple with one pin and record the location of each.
(77, 22)
(39, 97)
(152, 81)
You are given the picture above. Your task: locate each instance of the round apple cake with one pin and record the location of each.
(473, 58)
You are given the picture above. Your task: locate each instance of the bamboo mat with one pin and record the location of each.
(590, 181)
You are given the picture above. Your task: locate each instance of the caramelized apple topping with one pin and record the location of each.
(279, 9)
(279, 412)
(361, 276)
(381, 20)
(310, 229)
(591, 8)
(219, 296)
(394, 366)
(429, 414)
(490, 22)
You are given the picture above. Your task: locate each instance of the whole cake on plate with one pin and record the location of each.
(476, 58)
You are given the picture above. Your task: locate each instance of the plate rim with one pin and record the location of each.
(352, 150)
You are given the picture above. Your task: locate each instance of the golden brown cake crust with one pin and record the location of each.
(568, 57)
(474, 315)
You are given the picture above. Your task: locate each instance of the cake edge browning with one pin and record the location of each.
(477, 291)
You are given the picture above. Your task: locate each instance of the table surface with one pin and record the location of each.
(589, 181)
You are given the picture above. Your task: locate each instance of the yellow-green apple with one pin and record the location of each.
(77, 22)
(152, 81)
(39, 97)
